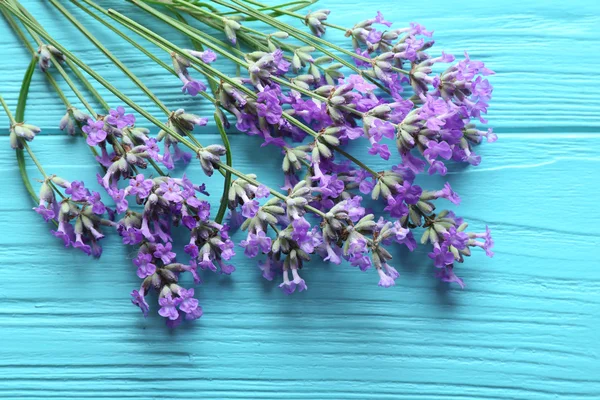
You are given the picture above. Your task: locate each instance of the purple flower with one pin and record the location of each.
(446, 274)
(449, 194)
(46, 213)
(119, 119)
(188, 304)
(138, 299)
(95, 132)
(227, 269)
(192, 87)
(381, 149)
(441, 256)
(360, 84)
(380, 20)
(250, 208)
(396, 207)
(168, 306)
(435, 150)
(262, 192)
(208, 56)
(455, 238)
(77, 191)
(269, 268)
(301, 227)
(287, 286)
(268, 106)
(64, 232)
(120, 201)
(359, 62)
(171, 191)
(79, 244)
(437, 167)
(417, 29)
(255, 243)
(98, 206)
(132, 236)
(374, 36)
(385, 280)
(380, 129)
(191, 249)
(164, 252)
(298, 282)
(139, 186)
(207, 263)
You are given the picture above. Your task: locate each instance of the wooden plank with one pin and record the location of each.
(524, 328)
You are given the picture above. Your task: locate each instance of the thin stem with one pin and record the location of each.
(7, 110)
(34, 159)
(121, 34)
(18, 31)
(132, 42)
(108, 54)
(278, 7)
(69, 63)
(25, 177)
(295, 15)
(71, 84)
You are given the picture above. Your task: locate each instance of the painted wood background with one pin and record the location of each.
(525, 327)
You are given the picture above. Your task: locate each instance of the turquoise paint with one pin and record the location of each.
(525, 327)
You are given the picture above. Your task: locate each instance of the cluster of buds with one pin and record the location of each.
(45, 54)
(21, 131)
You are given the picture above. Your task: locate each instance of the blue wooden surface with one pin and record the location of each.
(525, 327)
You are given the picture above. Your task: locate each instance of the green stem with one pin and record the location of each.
(133, 42)
(7, 110)
(35, 160)
(121, 34)
(295, 15)
(25, 177)
(278, 7)
(18, 31)
(70, 64)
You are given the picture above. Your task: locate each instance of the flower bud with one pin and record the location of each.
(231, 27)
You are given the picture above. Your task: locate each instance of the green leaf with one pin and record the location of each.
(227, 184)
(20, 112)
(19, 115)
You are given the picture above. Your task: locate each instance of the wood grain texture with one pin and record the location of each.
(526, 326)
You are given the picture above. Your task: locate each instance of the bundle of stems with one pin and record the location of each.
(302, 95)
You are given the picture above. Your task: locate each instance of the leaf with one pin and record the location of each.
(227, 183)
(19, 115)
(20, 112)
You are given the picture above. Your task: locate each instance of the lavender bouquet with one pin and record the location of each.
(303, 97)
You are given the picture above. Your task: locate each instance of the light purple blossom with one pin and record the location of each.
(119, 119)
(168, 306)
(95, 132)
